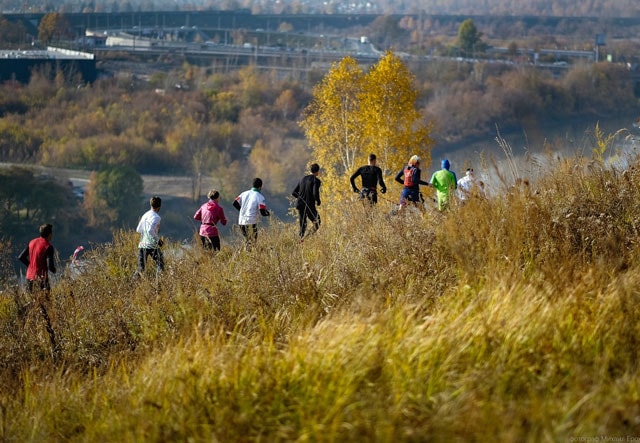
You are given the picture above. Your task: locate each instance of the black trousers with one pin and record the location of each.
(38, 285)
(308, 213)
(250, 232)
(155, 253)
(211, 242)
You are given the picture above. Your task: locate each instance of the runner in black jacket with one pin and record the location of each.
(307, 191)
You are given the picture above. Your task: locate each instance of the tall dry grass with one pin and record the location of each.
(511, 318)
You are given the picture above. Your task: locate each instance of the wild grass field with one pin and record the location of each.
(510, 318)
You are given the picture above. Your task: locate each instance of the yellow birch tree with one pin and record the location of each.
(332, 125)
(394, 128)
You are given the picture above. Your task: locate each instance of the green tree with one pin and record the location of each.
(53, 27)
(27, 200)
(110, 196)
(469, 38)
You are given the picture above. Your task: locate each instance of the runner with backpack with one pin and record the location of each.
(410, 178)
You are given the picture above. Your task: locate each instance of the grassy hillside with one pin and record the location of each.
(512, 318)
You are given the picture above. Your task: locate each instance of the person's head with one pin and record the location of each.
(372, 159)
(414, 160)
(155, 203)
(213, 194)
(315, 168)
(46, 230)
(257, 183)
(445, 164)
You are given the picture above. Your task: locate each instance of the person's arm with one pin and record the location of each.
(296, 191)
(198, 214)
(154, 229)
(383, 187)
(316, 191)
(420, 181)
(51, 259)
(352, 179)
(223, 219)
(236, 203)
(24, 256)
(400, 177)
(263, 210)
(140, 227)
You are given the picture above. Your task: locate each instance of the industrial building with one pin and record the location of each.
(18, 65)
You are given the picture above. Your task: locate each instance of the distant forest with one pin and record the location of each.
(559, 8)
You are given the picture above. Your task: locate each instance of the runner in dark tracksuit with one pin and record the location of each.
(371, 176)
(307, 191)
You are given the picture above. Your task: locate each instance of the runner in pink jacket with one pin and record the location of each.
(210, 214)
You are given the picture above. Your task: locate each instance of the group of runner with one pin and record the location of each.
(444, 181)
(39, 255)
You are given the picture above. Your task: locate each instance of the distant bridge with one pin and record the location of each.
(243, 19)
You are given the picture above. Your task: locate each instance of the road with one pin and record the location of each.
(163, 185)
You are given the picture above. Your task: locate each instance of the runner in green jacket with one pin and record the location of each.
(445, 182)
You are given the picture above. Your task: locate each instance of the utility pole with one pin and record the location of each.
(600, 41)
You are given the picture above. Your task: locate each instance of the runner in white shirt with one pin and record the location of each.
(468, 185)
(251, 203)
(150, 241)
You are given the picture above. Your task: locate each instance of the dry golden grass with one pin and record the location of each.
(511, 318)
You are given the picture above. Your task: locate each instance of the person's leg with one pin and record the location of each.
(45, 289)
(413, 196)
(142, 257)
(250, 233)
(215, 243)
(156, 254)
(245, 232)
(315, 219)
(302, 221)
(204, 240)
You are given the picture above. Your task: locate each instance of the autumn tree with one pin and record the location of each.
(394, 128)
(385, 30)
(53, 27)
(332, 122)
(190, 143)
(17, 143)
(11, 33)
(286, 103)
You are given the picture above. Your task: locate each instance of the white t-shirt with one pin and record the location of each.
(467, 185)
(251, 202)
(149, 227)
